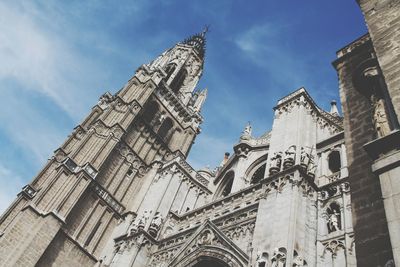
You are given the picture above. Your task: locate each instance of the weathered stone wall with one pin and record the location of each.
(383, 22)
(370, 226)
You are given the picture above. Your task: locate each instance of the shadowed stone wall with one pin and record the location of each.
(370, 226)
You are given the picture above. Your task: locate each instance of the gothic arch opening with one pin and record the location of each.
(258, 174)
(334, 163)
(170, 70)
(177, 83)
(165, 130)
(225, 187)
(256, 171)
(150, 112)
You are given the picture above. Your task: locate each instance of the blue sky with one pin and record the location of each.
(57, 58)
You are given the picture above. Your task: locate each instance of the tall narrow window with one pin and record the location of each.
(165, 130)
(226, 185)
(177, 83)
(150, 112)
(170, 70)
(334, 161)
(258, 174)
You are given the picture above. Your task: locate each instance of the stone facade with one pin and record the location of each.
(119, 191)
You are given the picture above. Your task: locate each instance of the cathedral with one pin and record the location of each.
(318, 189)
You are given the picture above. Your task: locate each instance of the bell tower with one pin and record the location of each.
(66, 215)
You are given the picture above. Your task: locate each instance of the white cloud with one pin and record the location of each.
(11, 184)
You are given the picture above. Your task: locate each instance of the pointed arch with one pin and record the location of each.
(334, 161)
(150, 112)
(165, 129)
(226, 184)
(177, 83)
(170, 69)
(256, 171)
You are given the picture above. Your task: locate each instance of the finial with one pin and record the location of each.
(334, 110)
(246, 134)
(205, 30)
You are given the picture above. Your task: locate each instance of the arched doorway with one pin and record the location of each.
(210, 263)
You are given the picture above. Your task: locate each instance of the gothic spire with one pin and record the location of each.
(198, 41)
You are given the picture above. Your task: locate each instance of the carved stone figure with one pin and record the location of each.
(304, 158)
(155, 224)
(311, 167)
(333, 222)
(298, 261)
(279, 258)
(380, 119)
(290, 155)
(104, 100)
(276, 162)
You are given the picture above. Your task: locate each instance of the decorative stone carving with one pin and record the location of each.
(104, 100)
(29, 191)
(279, 257)
(380, 119)
(298, 261)
(290, 157)
(70, 164)
(110, 200)
(334, 246)
(155, 224)
(276, 162)
(90, 170)
(304, 158)
(246, 132)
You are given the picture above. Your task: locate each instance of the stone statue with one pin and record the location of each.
(311, 167)
(290, 155)
(276, 162)
(333, 222)
(246, 134)
(304, 157)
(380, 119)
(247, 129)
(104, 100)
(155, 224)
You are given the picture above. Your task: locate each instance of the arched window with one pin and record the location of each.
(165, 130)
(225, 187)
(334, 161)
(169, 70)
(150, 112)
(177, 83)
(258, 174)
(334, 217)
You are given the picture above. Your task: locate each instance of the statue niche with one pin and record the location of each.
(379, 117)
(368, 79)
(334, 218)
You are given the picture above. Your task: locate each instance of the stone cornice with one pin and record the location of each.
(337, 122)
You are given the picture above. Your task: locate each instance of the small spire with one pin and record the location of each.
(334, 110)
